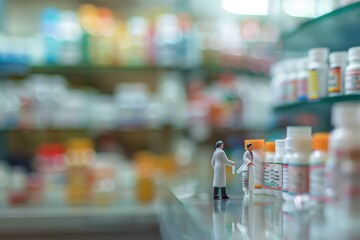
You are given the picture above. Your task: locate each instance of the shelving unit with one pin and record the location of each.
(338, 30)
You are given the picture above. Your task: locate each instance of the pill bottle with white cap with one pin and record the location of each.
(352, 73)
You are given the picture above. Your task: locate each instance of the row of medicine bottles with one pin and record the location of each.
(318, 75)
(318, 168)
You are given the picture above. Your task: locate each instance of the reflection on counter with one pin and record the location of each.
(258, 218)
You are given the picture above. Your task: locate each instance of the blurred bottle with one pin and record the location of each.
(50, 31)
(90, 23)
(336, 79)
(69, 35)
(103, 112)
(172, 96)
(34, 189)
(80, 158)
(59, 95)
(151, 44)
(318, 159)
(342, 168)
(167, 38)
(121, 42)
(291, 80)
(104, 179)
(9, 94)
(189, 54)
(136, 48)
(145, 185)
(104, 41)
(302, 79)
(17, 194)
(299, 138)
(276, 82)
(132, 100)
(207, 41)
(4, 182)
(352, 75)
(41, 95)
(74, 112)
(317, 73)
(50, 163)
(26, 109)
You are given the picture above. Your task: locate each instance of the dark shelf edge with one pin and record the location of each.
(83, 68)
(326, 100)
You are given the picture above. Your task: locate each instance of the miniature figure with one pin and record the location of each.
(218, 162)
(250, 167)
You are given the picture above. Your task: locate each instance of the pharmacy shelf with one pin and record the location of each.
(327, 101)
(86, 69)
(338, 30)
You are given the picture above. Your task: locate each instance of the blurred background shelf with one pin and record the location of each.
(100, 69)
(338, 30)
(148, 87)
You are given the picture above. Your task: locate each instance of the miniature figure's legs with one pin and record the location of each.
(216, 193)
(223, 193)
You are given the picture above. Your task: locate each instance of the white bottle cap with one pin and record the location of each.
(354, 53)
(279, 144)
(318, 54)
(344, 114)
(340, 56)
(298, 132)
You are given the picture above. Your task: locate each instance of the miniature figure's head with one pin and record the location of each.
(249, 147)
(219, 144)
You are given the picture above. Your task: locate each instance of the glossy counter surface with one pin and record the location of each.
(263, 217)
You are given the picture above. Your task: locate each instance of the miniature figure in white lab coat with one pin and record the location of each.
(218, 162)
(250, 167)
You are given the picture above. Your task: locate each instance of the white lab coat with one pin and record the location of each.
(251, 170)
(218, 162)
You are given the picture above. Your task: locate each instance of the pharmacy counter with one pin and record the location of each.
(197, 216)
(127, 221)
(183, 212)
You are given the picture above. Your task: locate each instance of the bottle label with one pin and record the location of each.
(278, 176)
(334, 84)
(317, 181)
(313, 87)
(272, 176)
(285, 177)
(267, 175)
(302, 89)
(293, 93)
(291, 90)
(352, 80)
(245, 180)
(298, 179)
(259, 170)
